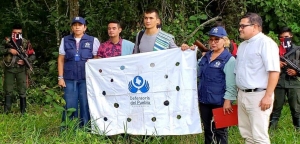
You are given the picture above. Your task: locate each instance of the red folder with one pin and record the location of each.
(226, 120)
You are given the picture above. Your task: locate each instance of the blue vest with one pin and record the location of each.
(75, 70)
(212, 85)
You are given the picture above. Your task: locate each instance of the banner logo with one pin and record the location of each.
(138, 83)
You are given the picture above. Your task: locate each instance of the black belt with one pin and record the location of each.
(253, 90)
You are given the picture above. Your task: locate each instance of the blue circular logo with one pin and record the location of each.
(138, 81)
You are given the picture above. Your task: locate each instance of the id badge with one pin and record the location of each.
(77, 57)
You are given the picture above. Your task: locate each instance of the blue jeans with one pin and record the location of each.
(73, 92)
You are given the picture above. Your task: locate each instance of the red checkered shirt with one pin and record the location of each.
(109, 49)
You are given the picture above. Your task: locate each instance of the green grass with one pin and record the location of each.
(41, 125)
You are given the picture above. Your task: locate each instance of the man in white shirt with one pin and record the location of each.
(257, 72)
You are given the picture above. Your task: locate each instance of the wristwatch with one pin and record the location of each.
(60, 77)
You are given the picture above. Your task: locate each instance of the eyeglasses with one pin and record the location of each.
(213, 40)
(242, 26)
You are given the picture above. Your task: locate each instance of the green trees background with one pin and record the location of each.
(46, 21)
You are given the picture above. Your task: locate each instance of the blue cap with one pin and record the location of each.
(78, 20)
(218, 32)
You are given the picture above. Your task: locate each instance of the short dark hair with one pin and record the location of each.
(254, 18)
(285, 29)
(152, 10)
(115, 22)
(219, 23)
(159, 21)
(17, 26)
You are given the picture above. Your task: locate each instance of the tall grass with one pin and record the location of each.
(42, 125)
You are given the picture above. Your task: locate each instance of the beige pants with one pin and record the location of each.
(253, 122)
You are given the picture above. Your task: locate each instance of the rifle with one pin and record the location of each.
(201, 46)
(291, 64)
(21, 54)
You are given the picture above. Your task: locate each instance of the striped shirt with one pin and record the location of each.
(147, 43)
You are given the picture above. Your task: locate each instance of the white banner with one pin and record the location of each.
(152, 93)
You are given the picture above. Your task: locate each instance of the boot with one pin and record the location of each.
(7, 104)
(23, 105)
(273, 123)
(296, 122)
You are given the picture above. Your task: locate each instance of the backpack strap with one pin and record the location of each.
(297, 54)
(291, 51)
(140, 35)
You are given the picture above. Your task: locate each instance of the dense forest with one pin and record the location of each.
(45, 22)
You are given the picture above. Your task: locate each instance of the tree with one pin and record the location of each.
(74, 8)
(45, 21)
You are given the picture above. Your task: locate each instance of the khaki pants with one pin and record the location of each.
(253, 122)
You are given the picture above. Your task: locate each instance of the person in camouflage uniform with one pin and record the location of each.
(289, 81)
(15, 68)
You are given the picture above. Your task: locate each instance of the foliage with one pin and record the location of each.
(45, 22)
(278, 13)
(38, 127)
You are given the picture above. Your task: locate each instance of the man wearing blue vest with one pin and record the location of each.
(75, 49)
(153, 39)
(115, 46)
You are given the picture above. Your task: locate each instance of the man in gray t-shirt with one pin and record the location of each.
(147, 43)
(153, 39)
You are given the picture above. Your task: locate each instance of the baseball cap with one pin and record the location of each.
(78, 20)
(218, 32)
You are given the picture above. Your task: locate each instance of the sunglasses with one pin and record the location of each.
(211, 40)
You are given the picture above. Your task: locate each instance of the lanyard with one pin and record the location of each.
(77, 46)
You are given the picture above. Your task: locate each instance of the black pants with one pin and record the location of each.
(211, 134)
(293, 95)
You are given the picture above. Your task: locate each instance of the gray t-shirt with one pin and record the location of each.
(147, 43)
